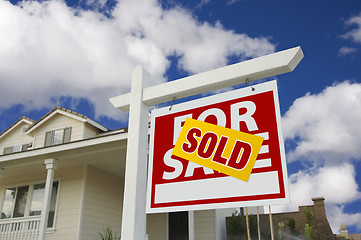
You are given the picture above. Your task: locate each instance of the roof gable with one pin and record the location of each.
(68, 113)
(16, 124)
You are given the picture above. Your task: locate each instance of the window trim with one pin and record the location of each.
(28, 201)
(49, 136)
(12, 148)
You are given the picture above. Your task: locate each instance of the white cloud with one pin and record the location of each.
(343, 51)
(49, 50)
(326, 126)
(354, 34)
(335, 183)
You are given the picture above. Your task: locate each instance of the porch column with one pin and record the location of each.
(51, 166)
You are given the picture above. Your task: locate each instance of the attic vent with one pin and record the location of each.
(23, 130)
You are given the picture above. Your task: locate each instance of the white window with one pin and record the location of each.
(59, 136)
(27, 200)
(17, 148)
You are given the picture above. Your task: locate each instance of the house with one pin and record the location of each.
(62, 177)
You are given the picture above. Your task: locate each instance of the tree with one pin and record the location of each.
(292, 226)
(309, 218)
(280, 230)
(309, 225)
(236, 228)
(253, 226)
(308, 232)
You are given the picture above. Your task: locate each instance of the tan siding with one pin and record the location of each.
(15, 137)
(102, 203)
(204, 225)
(156, 226)
(23, 179)
(58, 121)
(89, 131)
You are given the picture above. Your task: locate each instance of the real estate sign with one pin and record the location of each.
(176, 184)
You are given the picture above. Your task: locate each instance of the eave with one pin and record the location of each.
(101, 152)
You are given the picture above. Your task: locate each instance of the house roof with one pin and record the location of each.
(15, 124)
(66, 112)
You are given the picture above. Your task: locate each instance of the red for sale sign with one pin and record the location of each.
(176, 184)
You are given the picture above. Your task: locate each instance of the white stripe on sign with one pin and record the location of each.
(258, 184)
(260, 163)
(264, 135)
(264, 149)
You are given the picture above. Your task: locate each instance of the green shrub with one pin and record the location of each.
(280, 230)
(292, 226)
(108, 234)
(236, 229)
(308, 232)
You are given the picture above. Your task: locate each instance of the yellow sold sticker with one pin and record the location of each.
(222, 149)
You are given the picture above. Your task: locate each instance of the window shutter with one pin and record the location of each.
(67, 134)
(8, 150)
(48, 137)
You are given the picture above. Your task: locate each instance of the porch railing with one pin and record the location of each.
(26, 228)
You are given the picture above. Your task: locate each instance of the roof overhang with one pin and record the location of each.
(106, 152)
(59, 111)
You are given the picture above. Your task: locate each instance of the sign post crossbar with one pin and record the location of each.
(251, 70)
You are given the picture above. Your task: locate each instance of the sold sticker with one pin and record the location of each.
(222, 149)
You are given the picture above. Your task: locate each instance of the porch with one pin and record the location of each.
(20, 228)
(88, 174)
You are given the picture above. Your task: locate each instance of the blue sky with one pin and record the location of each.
(77, 54)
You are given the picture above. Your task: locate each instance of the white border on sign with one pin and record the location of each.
(243, 92)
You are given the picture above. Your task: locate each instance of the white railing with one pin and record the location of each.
(26, 228)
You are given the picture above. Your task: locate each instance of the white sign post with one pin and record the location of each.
(138, 100)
